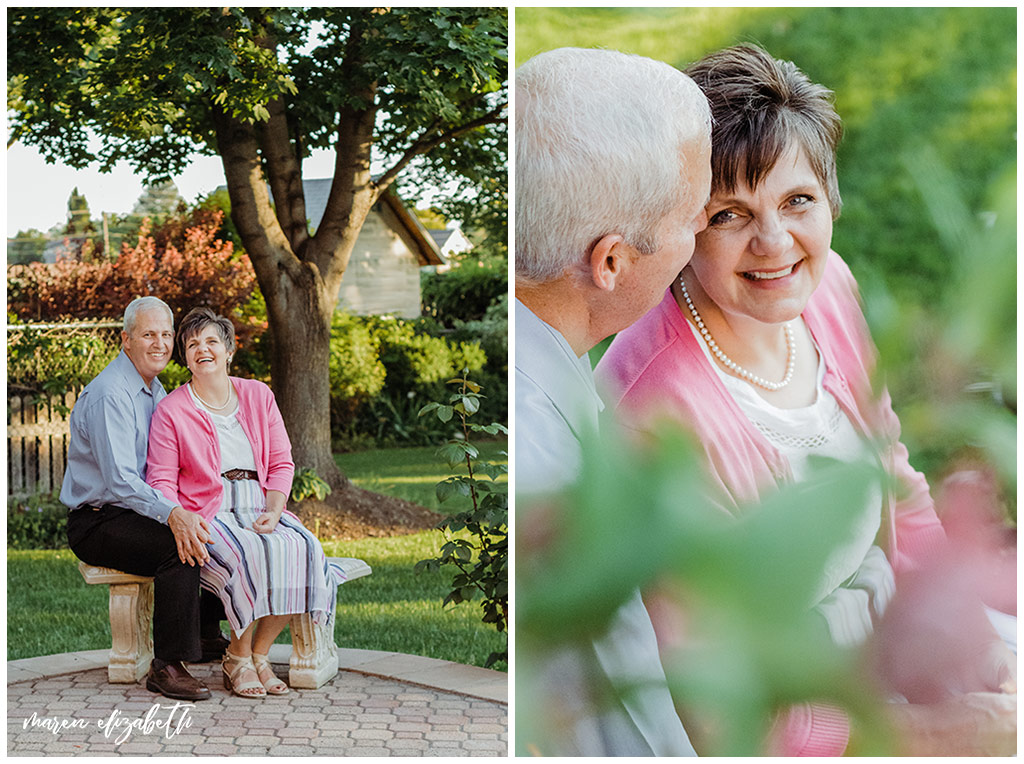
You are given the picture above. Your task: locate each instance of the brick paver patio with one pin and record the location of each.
(379, 704)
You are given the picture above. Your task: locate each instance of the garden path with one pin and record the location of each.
(379, 704)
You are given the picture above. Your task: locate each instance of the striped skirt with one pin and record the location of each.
(261, 574)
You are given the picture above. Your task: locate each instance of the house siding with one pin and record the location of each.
(383, 276)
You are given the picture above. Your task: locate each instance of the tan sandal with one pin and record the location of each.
(271, 683)
(235, 668)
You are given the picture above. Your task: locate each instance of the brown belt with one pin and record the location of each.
(240, 475)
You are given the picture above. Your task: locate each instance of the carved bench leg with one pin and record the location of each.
(314, 660)
(131, 618)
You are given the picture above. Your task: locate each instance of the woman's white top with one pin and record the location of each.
(235, 448)
(822, 429)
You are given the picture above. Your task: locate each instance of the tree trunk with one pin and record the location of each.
(301, 376)
(299, 303)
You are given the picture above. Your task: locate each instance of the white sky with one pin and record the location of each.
(37, 192)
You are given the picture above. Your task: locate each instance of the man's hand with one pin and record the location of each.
(191, 533)
(267, 521)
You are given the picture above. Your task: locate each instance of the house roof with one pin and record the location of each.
(416, 236)
(444, 236)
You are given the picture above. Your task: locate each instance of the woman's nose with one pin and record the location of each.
(772, 238)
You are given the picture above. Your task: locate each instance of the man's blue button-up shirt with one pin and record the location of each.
(109, 438)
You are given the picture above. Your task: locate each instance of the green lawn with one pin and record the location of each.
(409, 473)
(50, 609)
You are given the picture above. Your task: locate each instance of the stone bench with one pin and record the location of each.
(314, 658)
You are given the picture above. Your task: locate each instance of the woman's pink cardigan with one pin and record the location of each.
(184, 452)
(656, 368)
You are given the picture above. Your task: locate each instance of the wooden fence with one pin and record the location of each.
(37, 441)
(37, 427)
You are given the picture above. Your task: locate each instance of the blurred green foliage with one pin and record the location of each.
(952, 367)
(639, 516)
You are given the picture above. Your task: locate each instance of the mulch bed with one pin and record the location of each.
(354, 513)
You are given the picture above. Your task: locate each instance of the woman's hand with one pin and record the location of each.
(267, 521)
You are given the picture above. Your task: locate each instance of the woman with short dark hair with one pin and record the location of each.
(760, 347)
(218, 447)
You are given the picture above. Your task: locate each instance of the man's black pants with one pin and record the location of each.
(114, 537)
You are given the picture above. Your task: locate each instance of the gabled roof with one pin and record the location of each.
(444, 236)
(406, 224)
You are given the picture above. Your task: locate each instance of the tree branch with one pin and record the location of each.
(261, 233)
(352, 192)
(424, 143)
(284, 171)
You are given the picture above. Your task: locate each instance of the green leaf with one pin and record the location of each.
(444, 491)
(428, 408)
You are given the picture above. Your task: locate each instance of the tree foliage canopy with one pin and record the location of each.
(149, 79)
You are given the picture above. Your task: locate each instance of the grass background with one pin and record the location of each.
(50, 609)
(409, 473)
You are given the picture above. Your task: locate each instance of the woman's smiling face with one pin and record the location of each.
(764, 251)
(205, 352)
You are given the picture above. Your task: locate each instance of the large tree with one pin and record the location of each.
(390, 90)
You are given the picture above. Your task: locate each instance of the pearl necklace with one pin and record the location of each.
(210, 405)
(731, 365)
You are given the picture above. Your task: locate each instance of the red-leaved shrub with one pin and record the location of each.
(182, 262)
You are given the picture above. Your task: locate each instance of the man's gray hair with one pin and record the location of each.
(140, 304)
(600, 144)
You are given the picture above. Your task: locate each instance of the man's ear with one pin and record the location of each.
(608, 259)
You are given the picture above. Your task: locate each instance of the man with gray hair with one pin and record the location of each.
(116, 520)
(612, 173)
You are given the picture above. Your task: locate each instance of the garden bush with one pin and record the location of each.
(38, 522)
(182, 261)
(492, 333)
(54, 360)
(357, 374)
(462, 294)
(385, 369)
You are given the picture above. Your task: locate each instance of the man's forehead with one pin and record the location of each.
(153, 318)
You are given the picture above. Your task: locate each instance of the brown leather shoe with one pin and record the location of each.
(174, 681)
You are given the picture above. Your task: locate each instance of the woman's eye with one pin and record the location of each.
(800, 200)
(721, 218)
